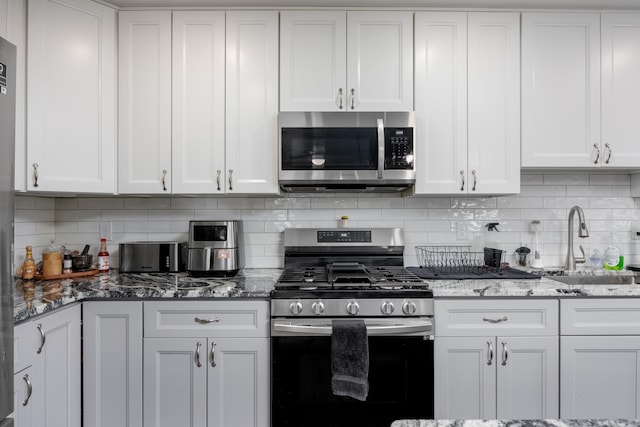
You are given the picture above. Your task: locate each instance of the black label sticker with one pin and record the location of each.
(3, 78)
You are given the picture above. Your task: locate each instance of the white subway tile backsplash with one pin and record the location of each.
(426, 220)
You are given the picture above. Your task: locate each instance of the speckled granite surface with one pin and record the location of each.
(33, 298)
(516, 423)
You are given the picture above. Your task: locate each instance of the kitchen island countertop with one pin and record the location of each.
(515, 423)
(34, 298)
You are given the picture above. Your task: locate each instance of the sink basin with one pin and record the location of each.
(593, 280)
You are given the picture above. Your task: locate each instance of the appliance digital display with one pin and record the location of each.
(351, 236)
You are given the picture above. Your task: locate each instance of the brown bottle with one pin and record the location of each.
(28, 266)
(103, 257)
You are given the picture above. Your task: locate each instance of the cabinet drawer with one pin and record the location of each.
(24, 345)
(600, 316)
(496, 317)
(206, 319)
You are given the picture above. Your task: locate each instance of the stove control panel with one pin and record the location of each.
(349, 236)
(343, 307)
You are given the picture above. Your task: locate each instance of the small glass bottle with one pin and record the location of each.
(67, 264)
(28, 266)
(103, 257)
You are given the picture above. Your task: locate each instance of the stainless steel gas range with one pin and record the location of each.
(339, 274)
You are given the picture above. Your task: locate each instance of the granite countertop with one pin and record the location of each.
(33, 298)
(515, 423)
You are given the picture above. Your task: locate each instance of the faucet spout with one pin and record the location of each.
(571, 260)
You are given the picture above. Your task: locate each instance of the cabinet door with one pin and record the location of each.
(528, 377)
(493, 103)
(13, 27)
(313, 60)
(198, 102)
(175, 382)
(144, 154)
(71, 106)
(380, 61)
(22, 398)
(620, 89)
(57, 369)
(252, 102)
(112, 355)
(239, 383)
(599, 377)
(441, 101)
(560, 89)
(465, 381)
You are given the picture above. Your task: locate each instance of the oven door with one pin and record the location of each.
(400, 375)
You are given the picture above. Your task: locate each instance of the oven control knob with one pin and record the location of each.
(295, 308)
(353, 308)
(409, 308)
(387, 308)
(317, 308)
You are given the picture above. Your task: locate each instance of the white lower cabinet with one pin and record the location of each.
(49, 352)
(206, 363)
(112, 355)
(600, 358)
(496, 359)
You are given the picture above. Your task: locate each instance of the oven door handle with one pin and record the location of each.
(405, 329)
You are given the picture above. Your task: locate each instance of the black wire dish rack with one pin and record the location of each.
(460, 259)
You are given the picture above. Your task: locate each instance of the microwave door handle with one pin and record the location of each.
(380, 148)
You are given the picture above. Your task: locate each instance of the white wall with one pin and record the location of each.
(426, 220)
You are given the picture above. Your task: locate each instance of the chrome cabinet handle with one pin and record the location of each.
(43, 338)
(462, 178)
(212, 354)
(35, 175)
(218, 172)
(353, 99)
(206, 321)
(164, 177)
(502, 319)
(231, 179)
(27, 380)
(475, 179)
(340, 98)
(198, 345)
(490, 353)
(505, 353)
(597, 150)
(609, 152)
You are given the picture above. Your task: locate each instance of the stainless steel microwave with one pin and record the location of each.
(346, 151)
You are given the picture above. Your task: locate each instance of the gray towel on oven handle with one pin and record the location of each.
(350, 359)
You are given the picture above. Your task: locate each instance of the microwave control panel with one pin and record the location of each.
(398, 148)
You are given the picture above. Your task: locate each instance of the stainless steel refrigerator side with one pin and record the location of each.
(7, 211)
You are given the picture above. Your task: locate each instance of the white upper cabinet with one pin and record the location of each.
(620, 89)
(198, 143)
(346, 61)
(144, 155)
(579, 90)
(252, 103)
(71, 98)
(467, 102)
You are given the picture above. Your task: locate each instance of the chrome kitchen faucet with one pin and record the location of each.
(570, 263)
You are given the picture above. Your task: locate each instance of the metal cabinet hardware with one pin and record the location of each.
(43, 338)
(505, 353)
(231, 179)
(609, 152)
(35, 175)
(164, 177)
(475, 179)
(502, 319)
(218, 172)
(206, 321)
(27, 380)
(462, 179)
(353, 99)
(212, 354)
(490, 353)
(340, 98)
(596, 148)
(198, 345)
